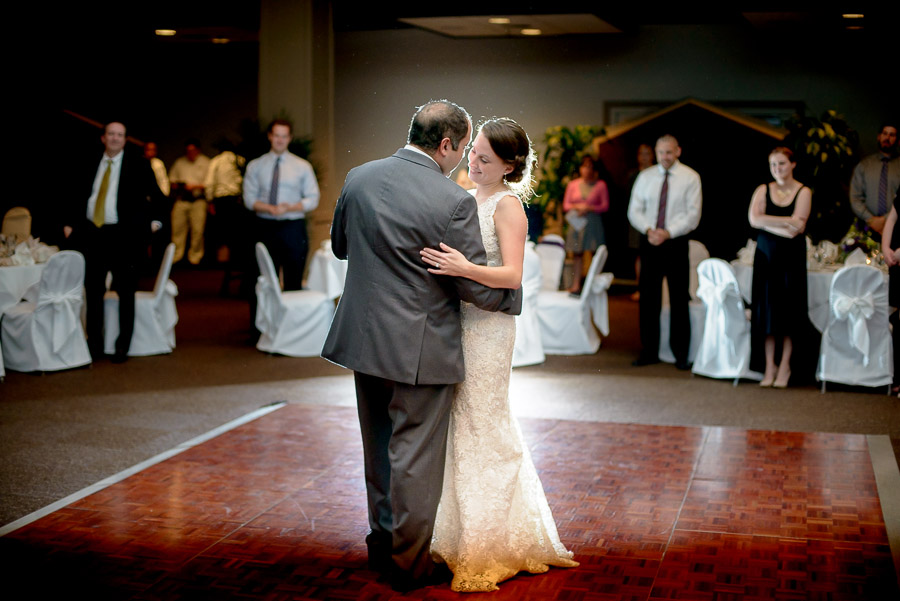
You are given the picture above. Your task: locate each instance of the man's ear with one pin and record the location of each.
(445, 147)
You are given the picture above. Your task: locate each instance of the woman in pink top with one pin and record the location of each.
(587, 197)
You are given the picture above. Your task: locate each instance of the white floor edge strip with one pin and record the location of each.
(89, 490)
(887, 479)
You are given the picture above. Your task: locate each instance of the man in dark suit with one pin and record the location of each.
(398, 328)
(110, 219)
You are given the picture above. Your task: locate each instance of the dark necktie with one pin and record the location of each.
(100, 204)
(663, 197)
(273, 190)
(882, 187)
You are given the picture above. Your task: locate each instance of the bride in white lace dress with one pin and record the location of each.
(493, 520)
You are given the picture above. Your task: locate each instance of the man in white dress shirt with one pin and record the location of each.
(665, 208)
(281, 188)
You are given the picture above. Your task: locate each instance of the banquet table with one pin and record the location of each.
(818, 284)
(15, 281)
(326, 273)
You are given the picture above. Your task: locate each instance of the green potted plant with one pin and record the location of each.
(825, 150)
(564, 149)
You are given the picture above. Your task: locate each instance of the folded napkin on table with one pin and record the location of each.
(857, 257)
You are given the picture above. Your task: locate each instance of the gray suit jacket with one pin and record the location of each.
(395, 320)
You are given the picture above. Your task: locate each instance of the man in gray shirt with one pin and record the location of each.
(876, 179)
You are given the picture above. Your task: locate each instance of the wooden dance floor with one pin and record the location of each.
(275, 509)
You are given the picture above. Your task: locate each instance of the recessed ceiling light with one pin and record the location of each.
(220, 40)
(531, 31)
(853, 15)
(499, 21)
(165, 32)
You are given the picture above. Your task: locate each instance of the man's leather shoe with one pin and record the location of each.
(402, 583)
(682, 365)
(642, 361)
(120, 358)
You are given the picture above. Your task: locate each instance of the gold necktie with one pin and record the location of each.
(100, 206)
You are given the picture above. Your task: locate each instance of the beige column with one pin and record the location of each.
(296, 79)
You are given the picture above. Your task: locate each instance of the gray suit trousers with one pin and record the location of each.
(404, 432)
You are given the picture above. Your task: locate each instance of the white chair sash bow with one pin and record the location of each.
(64, 321)
(266, 305)
(856, 310)
(718, 298)
(599, 301)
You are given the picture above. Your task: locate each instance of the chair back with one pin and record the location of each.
(17, 221)
(553, 257)
(715, 277)
(60, 294)
(859, 301)
(724, 347)
(63, 275)
(596, 267)
(267, 269)
(531, 272)
(165, 268)
(697, 253)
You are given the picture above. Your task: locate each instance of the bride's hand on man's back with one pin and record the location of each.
(447, 261)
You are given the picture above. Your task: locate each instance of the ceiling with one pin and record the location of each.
(205, 20)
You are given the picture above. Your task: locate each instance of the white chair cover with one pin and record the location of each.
(724, 350)
(47, 335)
(291, 323)
(528, 349)
(566, 324)
(553, 258)
(856, 344)
(696, 254)
(326, 272)
(2, 370)
(155, 315)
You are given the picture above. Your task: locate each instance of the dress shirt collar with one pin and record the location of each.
(116, 160)
(422, 152)
(672, 169)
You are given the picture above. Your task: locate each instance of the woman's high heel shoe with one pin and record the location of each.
(782, 380)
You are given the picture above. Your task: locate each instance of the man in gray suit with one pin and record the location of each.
(398, 328)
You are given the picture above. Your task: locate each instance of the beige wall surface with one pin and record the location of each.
(382, 75)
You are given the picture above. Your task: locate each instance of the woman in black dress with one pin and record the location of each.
(890, 248)
(779, 210)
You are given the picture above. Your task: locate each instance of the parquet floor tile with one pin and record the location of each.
(275, 510)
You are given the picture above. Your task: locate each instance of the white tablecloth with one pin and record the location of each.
(326, 273)
(818, 286)
(15, 281)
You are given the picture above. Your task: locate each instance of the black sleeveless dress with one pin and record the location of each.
(778, 304)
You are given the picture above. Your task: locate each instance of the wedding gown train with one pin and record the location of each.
(493, 520)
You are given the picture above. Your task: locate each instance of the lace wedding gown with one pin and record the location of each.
(493, 520)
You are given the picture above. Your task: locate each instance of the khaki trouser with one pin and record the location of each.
(188, 215)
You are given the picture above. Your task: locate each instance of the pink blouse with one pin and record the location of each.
(597, 202)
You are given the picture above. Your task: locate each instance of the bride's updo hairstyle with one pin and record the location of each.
(510, 142)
